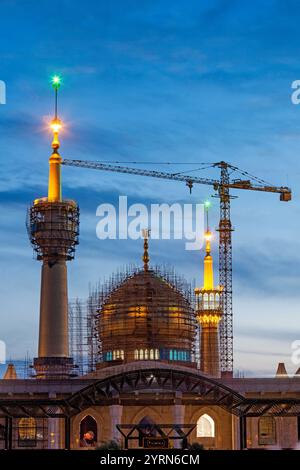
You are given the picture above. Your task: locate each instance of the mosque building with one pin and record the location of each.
(156, 380)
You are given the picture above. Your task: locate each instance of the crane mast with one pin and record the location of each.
(225, 272)
(222, 187)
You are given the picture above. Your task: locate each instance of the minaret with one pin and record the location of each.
(53, 226)
(209, 314)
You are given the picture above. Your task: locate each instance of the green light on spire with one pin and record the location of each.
(207, 204)
(56, 81)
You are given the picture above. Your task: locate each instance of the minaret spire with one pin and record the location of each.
(208, 272)
(209, 312)
(146, 258)
(54, 183)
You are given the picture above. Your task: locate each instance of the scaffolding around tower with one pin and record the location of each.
(53, 228)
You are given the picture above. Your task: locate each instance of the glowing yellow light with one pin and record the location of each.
(27, 429)
(56, 125)
(109, 308)
(137, 311)
(208, 236)
(209, 319)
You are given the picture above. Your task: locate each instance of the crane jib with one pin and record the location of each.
(285, 193)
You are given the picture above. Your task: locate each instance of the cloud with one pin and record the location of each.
(284, 335)
(260, 352)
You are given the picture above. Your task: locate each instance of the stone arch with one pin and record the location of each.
(149, 412)
(77, 419)
(215, 413)
(209, 410)
(88, 425)
(146, 428)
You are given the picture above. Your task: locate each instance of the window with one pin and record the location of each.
(109, 356)
(118, 354)
(174, 354)
(114, 355)
(145, 354)
(27, 432)
(205, 426)
(266, 430)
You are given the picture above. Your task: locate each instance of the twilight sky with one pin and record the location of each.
(159, 80)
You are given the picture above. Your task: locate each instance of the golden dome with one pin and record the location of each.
(146, 317)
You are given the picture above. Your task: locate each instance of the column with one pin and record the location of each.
(53, 433)
(53, 333)
(178, 412)
(243, 432)
(116, 418)
(67, 433)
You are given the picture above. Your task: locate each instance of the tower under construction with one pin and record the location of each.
(209, 313)
(53, 227)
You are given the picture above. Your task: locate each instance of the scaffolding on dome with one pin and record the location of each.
(111, 321)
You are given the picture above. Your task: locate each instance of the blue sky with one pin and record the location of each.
(155, 80)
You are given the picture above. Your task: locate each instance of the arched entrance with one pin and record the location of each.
(88, 432)
(146, 428)
(205, 426)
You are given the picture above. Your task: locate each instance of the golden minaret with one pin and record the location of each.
(209, 314)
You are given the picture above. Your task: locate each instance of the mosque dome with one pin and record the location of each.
(146, 317)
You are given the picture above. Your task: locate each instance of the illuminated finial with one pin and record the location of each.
(207, 205)
(207, 238)
(207, 234)
(54, 182)
(145, 258)
(56, 123)
(56, 81)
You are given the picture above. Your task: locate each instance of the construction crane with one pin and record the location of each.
(222, 187)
